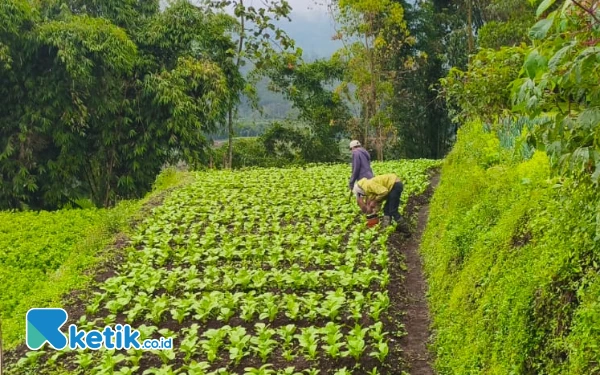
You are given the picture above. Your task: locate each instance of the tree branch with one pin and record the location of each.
(587, 10)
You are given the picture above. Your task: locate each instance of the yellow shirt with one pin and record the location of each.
(378, 187)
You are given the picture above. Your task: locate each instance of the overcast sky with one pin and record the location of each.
(311, 26)
(308, 10)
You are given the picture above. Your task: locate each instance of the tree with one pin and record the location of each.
(307, 86)
(96, 96)
(372, 31)
(419, 115)
(255, 43)
(559, 85)
(483, 91)
(468, 24)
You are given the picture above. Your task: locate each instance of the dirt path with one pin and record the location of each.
(412, 301)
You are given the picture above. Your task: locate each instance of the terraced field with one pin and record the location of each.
(266, 271)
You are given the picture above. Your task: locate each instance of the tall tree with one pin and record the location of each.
(308, 87)
(96, 96)
(258, 37)
(419, 114)
(559, 86)
(371, 32)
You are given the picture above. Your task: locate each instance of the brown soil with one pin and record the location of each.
(407, 319)
(412, 300)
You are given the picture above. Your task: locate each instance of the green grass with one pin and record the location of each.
(45, 255)
(512, 257)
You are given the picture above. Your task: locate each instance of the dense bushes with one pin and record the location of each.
(44, 255)
(513, 259)
(283, 145)
(247, 152)
(483, 90)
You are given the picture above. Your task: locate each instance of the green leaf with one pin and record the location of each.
(534, 63)
(544, 6)
(541, 28)
(558, 57)
(566, 6)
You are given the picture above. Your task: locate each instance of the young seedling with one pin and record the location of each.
(263, 344)
(263, 370)
(333, 335)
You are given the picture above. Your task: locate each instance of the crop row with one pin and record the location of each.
(201, 350)
(222, 306)
(235, 251)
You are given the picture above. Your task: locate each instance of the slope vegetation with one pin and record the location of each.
(512, 257)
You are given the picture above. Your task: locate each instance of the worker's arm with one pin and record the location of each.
(355, 170)
(364, 204)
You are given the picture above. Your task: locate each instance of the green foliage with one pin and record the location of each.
(284, 142)
(306, 86)
(48, 254)
(248, 152)
(484, 90)
(262, 246)
(258, 38)
(372, 32)
(419, 114)
(505, 19)
(497, 34)
(96, 96)
(559, 84)
(512, 261)
(37, 249)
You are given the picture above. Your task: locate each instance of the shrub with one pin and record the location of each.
(512, 256)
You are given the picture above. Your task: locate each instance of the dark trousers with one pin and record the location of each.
(392, 202)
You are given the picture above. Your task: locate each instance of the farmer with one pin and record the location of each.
(361, 163)
(371, 192)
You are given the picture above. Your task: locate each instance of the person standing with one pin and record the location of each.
(361, 163)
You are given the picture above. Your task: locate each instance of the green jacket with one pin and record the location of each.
(378, 187)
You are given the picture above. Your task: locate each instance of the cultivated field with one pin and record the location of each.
(266, 271)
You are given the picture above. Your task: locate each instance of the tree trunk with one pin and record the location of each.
(230, 111)
(470, 27)
(365, 145)
(372, 103)
(381, 142)
(230, 131)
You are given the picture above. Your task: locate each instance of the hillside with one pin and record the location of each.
(248, 270)
(512, 258)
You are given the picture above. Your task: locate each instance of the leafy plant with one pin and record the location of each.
(333, 335)
(381, 351)
(239, 342)
(356, 342)
(309, 340)
(263, 342)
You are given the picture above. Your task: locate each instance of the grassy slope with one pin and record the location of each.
(512, 259)
(44, 255)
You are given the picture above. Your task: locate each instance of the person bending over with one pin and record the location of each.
(370, 193)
